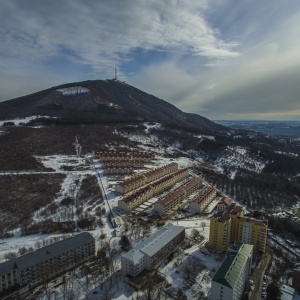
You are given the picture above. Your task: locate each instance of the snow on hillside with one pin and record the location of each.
(26, 120)
(239, 157)
(73, 90)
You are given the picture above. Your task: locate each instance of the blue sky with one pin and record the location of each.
(223, 59)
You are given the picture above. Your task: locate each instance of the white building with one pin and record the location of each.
(150, 253)
(229, 281)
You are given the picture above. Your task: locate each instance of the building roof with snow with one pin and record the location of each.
(154, 243)
(235, 261)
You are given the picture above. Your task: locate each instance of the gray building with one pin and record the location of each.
(45, 263)
(150, 253)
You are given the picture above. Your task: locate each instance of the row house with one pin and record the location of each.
(163, 184)
(130, 184)
(155, 174)
(124, 163)
(137, 198)
(203, 199)
(192, 185)
(130, 202)
(117, 155)
(170, 201)
(143, 178)
(118, 170)
(150, 253)
(40, 266)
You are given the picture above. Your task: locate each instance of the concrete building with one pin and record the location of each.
(231, 226)
(229, 280)
(40, 266)
(150, 253)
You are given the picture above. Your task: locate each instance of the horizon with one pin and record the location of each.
(221, 60)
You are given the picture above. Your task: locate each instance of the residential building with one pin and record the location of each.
(176, 198)
(150, 253)
(145, 177)
(138, 197)
(224, 203)
(219, 231)
(203, 199)
(41, 265)
(231, 226)
(229, 281)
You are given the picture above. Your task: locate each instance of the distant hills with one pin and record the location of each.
(102, 101)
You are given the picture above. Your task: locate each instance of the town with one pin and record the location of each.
(167, 233)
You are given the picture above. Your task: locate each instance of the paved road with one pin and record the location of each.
(258, 275)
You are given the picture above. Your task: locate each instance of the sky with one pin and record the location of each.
(222, 59)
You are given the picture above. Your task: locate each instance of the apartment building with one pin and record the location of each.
(150, 253)
(135, 199)
(144, 178)
(203, 199)
(253, 231)
(231, 226)
(170, 201)
(40, 266)
(229, 280)
(175, 198)
(127, 155)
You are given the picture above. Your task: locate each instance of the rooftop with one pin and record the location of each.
(154, 243)
(233, 265)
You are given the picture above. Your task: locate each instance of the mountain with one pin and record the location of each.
(102, 101)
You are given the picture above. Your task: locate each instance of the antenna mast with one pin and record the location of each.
(116, 73)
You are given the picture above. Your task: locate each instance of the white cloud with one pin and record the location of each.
(102, 33)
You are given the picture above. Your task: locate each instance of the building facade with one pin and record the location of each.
(45, 263)
(229, 280)
(231, 226)
(150, 253)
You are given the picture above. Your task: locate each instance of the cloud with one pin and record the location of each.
(103, 33)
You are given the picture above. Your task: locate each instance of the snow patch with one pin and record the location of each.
(26, 120)
(74, 90)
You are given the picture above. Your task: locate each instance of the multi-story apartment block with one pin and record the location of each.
(229, 280)
(253, 231)
(150, 253)
(219, 231)
(231, 226)
(40, 266)
(293, 223)
(203, 199)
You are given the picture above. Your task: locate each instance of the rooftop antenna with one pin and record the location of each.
(116, 73)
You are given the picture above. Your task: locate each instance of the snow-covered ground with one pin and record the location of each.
(73, 90)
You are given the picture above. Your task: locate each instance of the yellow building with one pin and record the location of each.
(230, 226)
(253, 231)
(219, 231)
